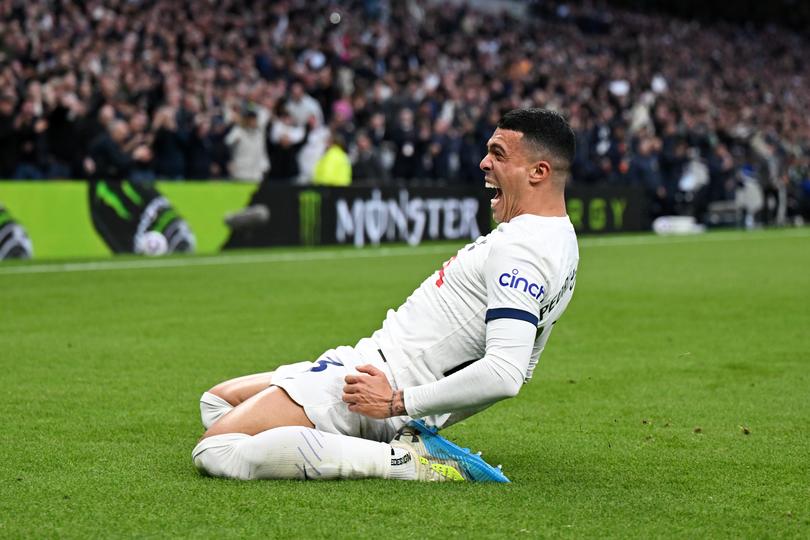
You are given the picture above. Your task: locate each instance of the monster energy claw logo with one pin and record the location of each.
(309, 216)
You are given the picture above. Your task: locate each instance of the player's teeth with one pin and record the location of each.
(490, 185)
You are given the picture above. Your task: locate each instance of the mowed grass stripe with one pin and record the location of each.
(373, 252)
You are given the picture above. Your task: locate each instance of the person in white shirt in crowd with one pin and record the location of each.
(302, 106)
(246, 141)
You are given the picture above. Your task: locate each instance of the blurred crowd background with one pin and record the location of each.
(377, 91)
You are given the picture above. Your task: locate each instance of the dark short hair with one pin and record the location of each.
(545, 129)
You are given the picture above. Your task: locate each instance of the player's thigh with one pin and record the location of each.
(269, 408)
(238, 390)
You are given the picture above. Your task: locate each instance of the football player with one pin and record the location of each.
(470, 335)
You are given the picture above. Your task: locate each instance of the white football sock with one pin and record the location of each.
(212, 408)
(299, 453)
(403, 465)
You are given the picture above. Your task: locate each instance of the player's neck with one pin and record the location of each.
(551, 206)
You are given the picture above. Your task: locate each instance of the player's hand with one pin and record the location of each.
(369, 393)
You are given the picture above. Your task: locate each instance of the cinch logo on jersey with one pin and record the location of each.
(513, 281)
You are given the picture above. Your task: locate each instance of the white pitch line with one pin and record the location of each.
(370, 253)
(225, 260)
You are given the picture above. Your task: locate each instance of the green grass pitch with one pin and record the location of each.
(673, 399)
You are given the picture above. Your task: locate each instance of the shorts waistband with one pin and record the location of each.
(371, 350)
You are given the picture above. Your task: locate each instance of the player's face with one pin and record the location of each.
(506, 169)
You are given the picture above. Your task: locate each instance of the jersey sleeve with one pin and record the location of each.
(499, 375)
(516, 283)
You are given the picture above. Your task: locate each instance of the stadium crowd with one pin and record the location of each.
(409, 91)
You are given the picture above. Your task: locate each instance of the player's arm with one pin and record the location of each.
(498, 375)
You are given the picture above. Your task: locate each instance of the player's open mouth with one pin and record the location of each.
(498, 193)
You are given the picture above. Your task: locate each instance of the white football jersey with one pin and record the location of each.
(525, 269)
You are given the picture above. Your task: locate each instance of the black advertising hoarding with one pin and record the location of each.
(370, 216)
(363, 215)
(607, 209)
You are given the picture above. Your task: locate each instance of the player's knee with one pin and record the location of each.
(237, 390)
(212, 408)
(224, 391)
(223, 456)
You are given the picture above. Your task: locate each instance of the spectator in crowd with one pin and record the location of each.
(107, 159)
(284, 141)
(169, 146)
(142, 171)
(645, 171)
(65, 139)
(301, 106)
(246, 141)
(31, 141)
(721, 174)
(367, 165)
(220, 154)
(201, 151)
(441, 148)
(335, 167)
(408, 147)
(377, 129)
(316, 144)
(8, 146)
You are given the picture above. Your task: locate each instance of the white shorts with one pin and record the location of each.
(318, 388)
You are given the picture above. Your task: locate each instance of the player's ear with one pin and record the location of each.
(541, 170)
